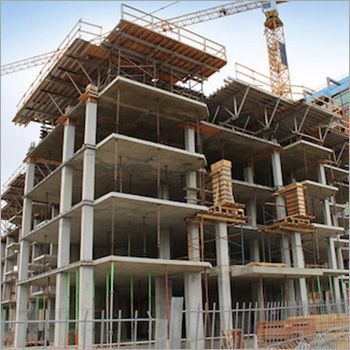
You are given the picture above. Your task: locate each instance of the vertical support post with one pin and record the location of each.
(76, 325)
(161, 329)
(223, 271)
(22, 289)
(332, 262)
(86, 273)
(298, 261)
(193, 280)
(326, 206)
(281, 213)
(64, 229)
(251, 207)
(176, 323)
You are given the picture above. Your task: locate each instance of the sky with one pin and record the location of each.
(317, 41)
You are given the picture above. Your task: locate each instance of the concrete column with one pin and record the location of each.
(164, 252)
(64, 229)
(86, 273)
(281, 213)
(332, 262)
(251, 205)
(254, 253)
(223, 271)
(193, 280)
(299, 262)
(22, 289)
(161, 330)
(326, 207)
(340, 258)
(194, 322)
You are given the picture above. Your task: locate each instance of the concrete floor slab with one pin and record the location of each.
(245, 190)
(129, 212)
(337, 272)
(238, 271)
(124, 267)
(141, 157)
(302, 159)
(328, 231)
(336, 173)
(317, 190)
(49, 188)
(235, 144)
(147, 97)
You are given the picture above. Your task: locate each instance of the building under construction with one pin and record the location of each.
(143, 190)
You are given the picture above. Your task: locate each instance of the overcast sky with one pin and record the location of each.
(317, 40)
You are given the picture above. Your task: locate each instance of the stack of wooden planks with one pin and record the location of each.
(278, 331)
(221, 180)
(224, 206)
(294, 198)
(328, 322)
(297, 219)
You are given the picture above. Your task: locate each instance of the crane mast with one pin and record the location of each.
(276, 50)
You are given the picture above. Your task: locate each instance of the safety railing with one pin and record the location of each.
(246, 325)
(298, 92)
(173, 31)
(81, 29)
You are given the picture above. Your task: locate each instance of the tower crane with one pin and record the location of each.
(274, 33)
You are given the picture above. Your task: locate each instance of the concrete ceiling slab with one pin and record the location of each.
(48, 190)
(149, 98)
(244, 191)
(328, 231)
(234, 144)
(125, 267)
(317, 190)
(336, 173)
(131, 212)
(238, 271)
(141, 156)
(296, 154)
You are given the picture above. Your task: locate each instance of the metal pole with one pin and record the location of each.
(213, 327)
(119, 327)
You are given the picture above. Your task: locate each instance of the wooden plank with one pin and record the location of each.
(266, 264)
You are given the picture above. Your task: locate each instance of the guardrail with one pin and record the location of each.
(298, 92)
(81, 29)
(248, 325)
(173, 31)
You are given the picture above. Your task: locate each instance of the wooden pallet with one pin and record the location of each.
(293, 223)
(231, 217)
